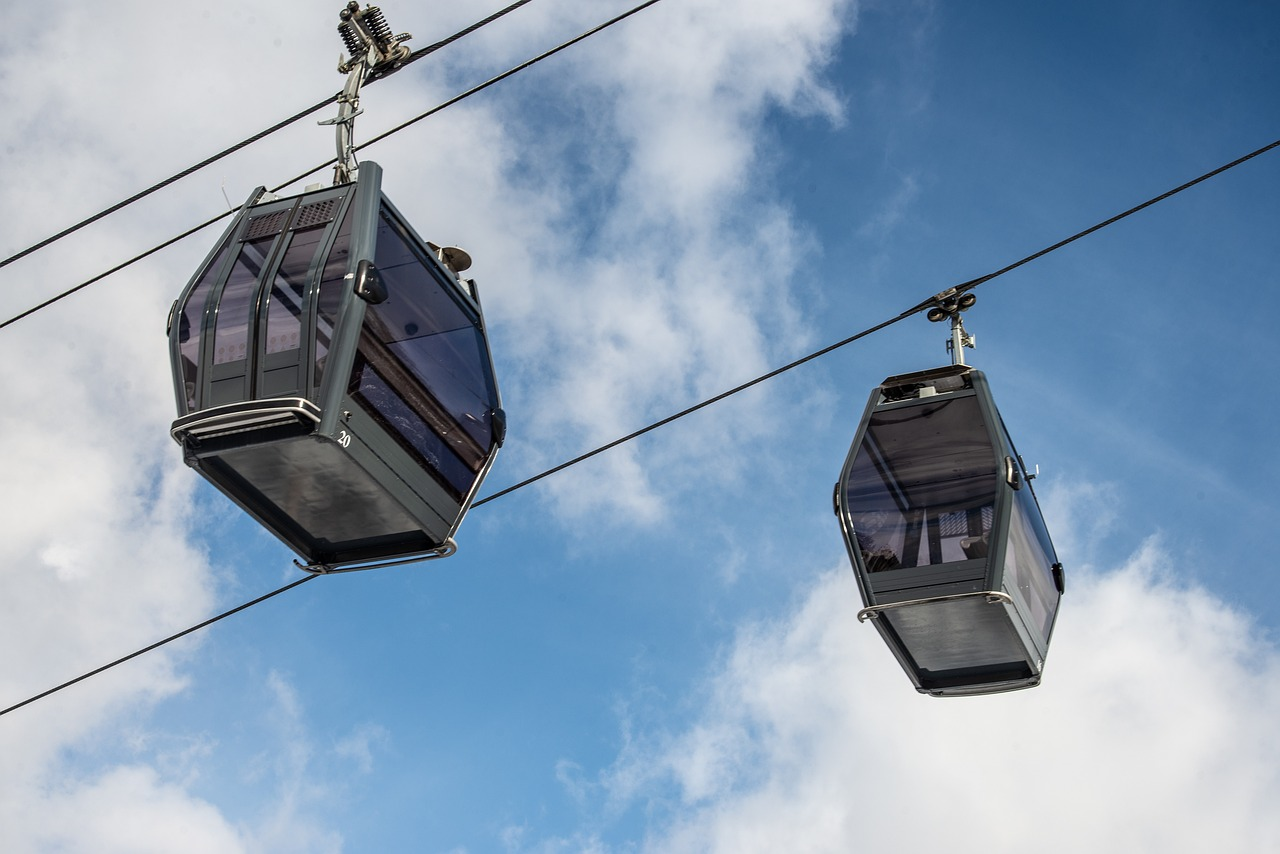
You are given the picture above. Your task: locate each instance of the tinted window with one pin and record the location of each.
(922, 486)
(231, 330)
(432, 333)
(1027, 565)
(190, 323)
(331, 292)
(284, 311)
(405, 422)
(434, 391)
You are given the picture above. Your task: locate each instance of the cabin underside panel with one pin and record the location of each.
(315, 497)
(960, 642)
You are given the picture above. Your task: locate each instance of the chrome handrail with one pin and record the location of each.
(993, 597)
(447, 549)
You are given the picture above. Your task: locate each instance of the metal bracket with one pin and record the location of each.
(949, 304)
(993, 597)
(374, 52)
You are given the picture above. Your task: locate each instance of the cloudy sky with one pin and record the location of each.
(656, 650)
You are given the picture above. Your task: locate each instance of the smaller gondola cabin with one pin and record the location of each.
(334, 379)
(952, 557)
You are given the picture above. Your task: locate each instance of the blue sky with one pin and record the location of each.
(657, 650)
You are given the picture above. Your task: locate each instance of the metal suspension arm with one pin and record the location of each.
(374, 52)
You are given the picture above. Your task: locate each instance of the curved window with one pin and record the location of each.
(422, 367)
(922, 487)
(284, 307)
(329, 301)
(190, 323)
(231, 331)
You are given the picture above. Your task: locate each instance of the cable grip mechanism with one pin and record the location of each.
(373, 51)
(948, 305)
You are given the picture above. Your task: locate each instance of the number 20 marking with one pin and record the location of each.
(344, 438)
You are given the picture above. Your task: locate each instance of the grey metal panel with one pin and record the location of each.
(346, 331)
(318, 499)
(884, 584)
(957, 634)
(281, 381)
(405, 476)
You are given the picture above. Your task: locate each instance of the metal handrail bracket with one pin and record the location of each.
(994, 597)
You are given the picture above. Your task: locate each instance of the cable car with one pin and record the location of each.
(950, 550)
(334, 379)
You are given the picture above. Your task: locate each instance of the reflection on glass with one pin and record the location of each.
(922, 487)
(427, 346)
(284, 309)
(231, 330)
(190, 323)
(1027, 565)
(331, 292)
(403, 421)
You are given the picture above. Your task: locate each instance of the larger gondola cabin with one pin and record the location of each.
(333, 377)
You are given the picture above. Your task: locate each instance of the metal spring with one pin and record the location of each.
(378, 27)
(351, 38)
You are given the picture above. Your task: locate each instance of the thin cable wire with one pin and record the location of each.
(474, 89)
(158, 644)
(921, 306)
(916, 309)
(413, 57)
(432, 48)
(703, 405)
(334, 160)
(973, 283)
(117, 268)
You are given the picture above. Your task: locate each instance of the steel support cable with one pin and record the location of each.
(455, 99)
(158, 644)
(916, 309)
(117, 268)
(475, 89)
(508, 490)
(142, 194)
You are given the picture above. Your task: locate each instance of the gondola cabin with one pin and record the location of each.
(952, 557)
(333, 377)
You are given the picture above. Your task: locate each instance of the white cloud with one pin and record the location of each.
(128, 810)
(894, 210)
(1153, 730)
(293, 819)
(672, 293)
(360, 745)
(675, 289)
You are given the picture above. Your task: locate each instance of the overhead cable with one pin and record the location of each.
(916, 309)
(416, 55)
(455, 99)
(158, 644)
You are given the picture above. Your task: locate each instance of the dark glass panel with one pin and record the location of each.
(922, 487)
(231, 330)
(436, 339)
(403, 420)
(284, 310)
(1030, 555)
(1027, 561)
(329, 302)
(191, 322)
